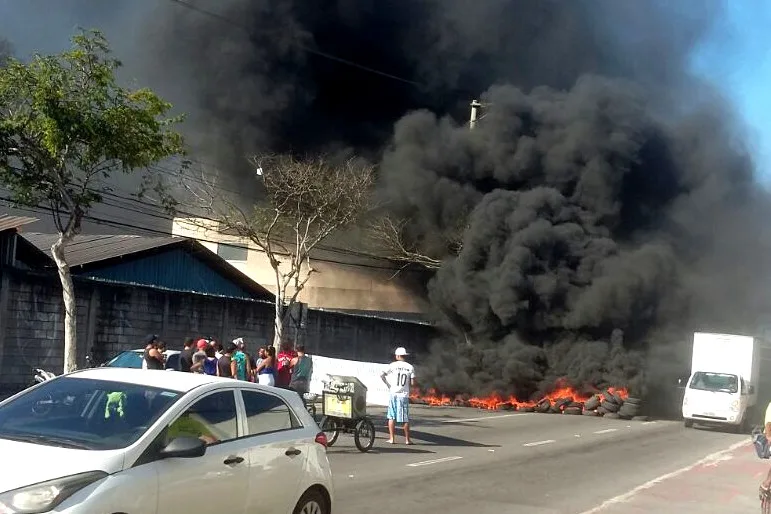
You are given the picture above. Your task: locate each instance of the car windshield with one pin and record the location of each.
(126, 360)
(722, 382)
(83, 413)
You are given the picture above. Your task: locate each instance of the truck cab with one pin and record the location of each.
(717, 398)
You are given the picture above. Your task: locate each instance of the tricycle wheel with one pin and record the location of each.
(331, 429)
(364, 436)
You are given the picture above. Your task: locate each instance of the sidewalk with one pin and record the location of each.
(726, 482)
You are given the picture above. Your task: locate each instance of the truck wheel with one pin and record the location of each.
(688, 423)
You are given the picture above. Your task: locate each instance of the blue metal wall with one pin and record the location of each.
(175, 270)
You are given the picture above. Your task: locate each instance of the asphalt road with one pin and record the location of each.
(468, 461)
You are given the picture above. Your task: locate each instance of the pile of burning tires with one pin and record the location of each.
(607, 404)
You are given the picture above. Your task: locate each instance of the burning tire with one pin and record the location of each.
(543, 406)
(526, 408)
(590, 413)
(578, 405)
(592, 403)
(601, 411)
(609, 406)
(608, 396)
(628, 411)
(641, 418)
(633, 401)
(574, 411)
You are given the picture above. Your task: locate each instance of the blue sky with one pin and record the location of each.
(738, 56)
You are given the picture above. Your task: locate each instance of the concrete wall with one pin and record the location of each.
(339, 281)
(114, 318)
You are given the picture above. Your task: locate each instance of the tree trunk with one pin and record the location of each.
(278, 323)
(68, 295)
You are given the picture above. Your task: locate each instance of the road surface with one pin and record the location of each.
(467, 461)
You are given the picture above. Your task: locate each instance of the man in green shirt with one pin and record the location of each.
(302, 369)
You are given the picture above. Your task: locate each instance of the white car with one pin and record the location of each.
(120, 440)
(135, 359)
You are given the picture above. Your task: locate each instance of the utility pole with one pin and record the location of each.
(475, 106)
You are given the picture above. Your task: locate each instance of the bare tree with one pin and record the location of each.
(392, 239)
(305, 201)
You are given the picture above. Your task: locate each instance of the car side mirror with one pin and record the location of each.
(751, 389)
(183, 448)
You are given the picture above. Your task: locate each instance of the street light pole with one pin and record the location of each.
(475, 106)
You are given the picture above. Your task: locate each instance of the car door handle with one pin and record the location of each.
(291, 452)
(233, 460)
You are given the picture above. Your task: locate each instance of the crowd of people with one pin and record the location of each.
(291, 368)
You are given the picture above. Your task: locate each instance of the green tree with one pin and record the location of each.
(66, 127)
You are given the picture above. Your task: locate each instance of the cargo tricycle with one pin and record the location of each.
(344, 410)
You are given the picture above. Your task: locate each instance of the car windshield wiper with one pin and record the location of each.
(48, 440)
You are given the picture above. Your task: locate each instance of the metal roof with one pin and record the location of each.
(11, 222)
(85, 249)
(86, 253)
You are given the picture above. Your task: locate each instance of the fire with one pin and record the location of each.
(562, 394)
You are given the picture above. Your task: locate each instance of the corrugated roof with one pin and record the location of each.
(86, 249)
(11, 222)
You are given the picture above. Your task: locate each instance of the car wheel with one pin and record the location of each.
(312, 502)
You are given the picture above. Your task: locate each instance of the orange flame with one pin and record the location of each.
(561, 392)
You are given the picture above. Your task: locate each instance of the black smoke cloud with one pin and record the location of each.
(602, 230)
(611, 206)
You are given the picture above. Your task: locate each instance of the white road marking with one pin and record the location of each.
(539, 443)
(484, 418)
(708, 460)
(606, 431)
(435, 461)
(648, 422)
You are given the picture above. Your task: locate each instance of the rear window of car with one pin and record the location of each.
(84, 413)
(126, 360)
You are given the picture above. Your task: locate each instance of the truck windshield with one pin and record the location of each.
(722, 382)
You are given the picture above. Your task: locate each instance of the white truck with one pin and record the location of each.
(724, 383)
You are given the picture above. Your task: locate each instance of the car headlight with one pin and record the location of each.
(45, 496)
(735, 406)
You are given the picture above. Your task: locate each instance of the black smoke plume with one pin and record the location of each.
(593, 222)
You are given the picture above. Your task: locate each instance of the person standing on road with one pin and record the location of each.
(153, 358)
(224, 368)
(210, 364)
(266, 372)
(199, 357)
(302, 369)
(239, 365)
(186, 355)
(399, 377)
(283, 364)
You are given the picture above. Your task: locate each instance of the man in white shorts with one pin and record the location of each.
(399, 377)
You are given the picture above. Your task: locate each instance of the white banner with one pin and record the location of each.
(367, 372)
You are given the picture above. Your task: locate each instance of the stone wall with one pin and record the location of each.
(113, 318)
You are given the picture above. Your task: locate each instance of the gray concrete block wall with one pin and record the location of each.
(114, 318)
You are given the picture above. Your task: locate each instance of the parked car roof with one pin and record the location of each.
(181, 382)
